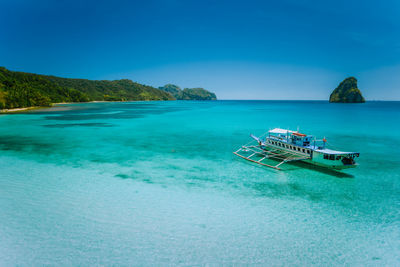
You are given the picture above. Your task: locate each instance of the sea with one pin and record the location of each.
(157, 184)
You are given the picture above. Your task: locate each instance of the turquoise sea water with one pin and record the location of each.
(156, 183)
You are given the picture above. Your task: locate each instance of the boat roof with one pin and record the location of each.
(280, 131)
(333, 152)
(299, 134)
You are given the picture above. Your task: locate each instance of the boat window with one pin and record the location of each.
(332, 157)
(326, 156)
(308, 152)
(338, 157)
(304, 151)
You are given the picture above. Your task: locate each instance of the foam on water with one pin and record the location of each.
(155, 183)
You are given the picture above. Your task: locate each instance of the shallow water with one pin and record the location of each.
(155, 183)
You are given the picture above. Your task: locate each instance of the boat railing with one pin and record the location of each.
(318, 143)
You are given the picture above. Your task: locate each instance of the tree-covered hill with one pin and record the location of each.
(197, 94)
(188, 93)
(20, 89)
(117, 90)
(172, 89)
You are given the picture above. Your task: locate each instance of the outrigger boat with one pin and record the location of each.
(288, 146)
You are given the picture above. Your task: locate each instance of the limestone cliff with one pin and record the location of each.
(347, 92)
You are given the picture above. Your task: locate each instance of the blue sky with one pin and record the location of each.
(238, 49)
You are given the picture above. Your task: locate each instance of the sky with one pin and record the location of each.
(286, 49)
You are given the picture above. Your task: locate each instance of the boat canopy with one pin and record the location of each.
(280, 131)
(299, 134)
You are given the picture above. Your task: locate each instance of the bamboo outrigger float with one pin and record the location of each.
(288, 146)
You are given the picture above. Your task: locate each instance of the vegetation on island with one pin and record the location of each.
(188, 93)
(174, 90)
(20, 89)
(347, 92)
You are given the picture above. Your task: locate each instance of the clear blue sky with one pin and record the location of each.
(239, 49)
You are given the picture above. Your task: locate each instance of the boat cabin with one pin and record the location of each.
(291, 137)
(346, 157)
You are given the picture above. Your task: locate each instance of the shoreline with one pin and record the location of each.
(17, 110)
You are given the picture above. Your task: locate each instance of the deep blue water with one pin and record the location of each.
(156, 183)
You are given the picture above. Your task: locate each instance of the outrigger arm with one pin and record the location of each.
(266, 153)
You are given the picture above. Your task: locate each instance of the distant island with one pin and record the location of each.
(22, 90)
(347, 92)
(188, 93)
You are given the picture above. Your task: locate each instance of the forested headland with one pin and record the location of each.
(20, 89)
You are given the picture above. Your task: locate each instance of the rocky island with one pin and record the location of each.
(188, 93)
(347, 92)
